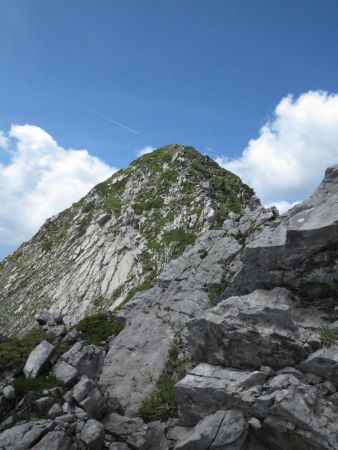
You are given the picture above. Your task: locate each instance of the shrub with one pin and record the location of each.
(15, 351)
(97, 328)
(328, 336)
(23, 385)
(161, 403)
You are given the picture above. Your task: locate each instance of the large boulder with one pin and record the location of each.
(258, 329)
(206, 388)
(38, 359)
(299, 250)
(222, 430)
(65, 373)
(323, 362)
(134, 432)
(87, 359)
(92, 434)
(55, 440)
(87, 395)
(25, 435)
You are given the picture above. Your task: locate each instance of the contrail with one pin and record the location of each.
(114, 122)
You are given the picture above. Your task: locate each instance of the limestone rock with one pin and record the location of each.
(55, 440)
(88, 396)
(38, 359)
(298, 250)
(222, 430)
(24, 436)
(323, 362)
(86, 359)
(9, 392)
(65, 373)
(262, 324)
(92, 434)
(206, 388)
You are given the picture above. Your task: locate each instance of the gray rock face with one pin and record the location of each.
(132, 431)
(222, 430)
(92, 434)
(135, 433)
(23, 437)
(155, 317)
(262, 324)
(9, 392)
(323, 362)
(307, 416)
(55, 440)
(87, 396)
(65, 373)
(299, 250)
(38, 359)
(86, 359)
(206, 388)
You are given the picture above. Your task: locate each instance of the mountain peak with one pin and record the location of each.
(115, 240)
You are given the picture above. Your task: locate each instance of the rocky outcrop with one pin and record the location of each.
(298, 251)
(261, 328)
(156, 319)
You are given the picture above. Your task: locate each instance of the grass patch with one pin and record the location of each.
(147, 284)
(328, 336)
(215, 292)
(161, 403)
(15, 351)
(97, 328)
(178, 239)
(24, 385)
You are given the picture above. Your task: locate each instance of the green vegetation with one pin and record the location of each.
(99, 301)
(112, 194)
(144, 286)
(328, 336)
(178, 239)
(23, 385)
(15, 351)
(46, 245)
(216, 291)
(161, 403)
(98, 327)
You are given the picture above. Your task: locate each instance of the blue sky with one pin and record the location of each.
(203, 73)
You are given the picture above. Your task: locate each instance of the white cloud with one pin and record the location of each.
(4, 141)
(41, 179)
(287, 161)
(145, 150)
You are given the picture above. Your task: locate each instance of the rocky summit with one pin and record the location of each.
(174, 312)
(117, 239)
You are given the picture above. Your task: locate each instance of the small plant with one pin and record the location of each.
(98, 327)
(23, 385)
(98, 301)
(328, 336)
(216, 291)
(161, 403)
(15, 351)
(46, 245)
(179, 239)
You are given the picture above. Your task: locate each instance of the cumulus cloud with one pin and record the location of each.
(4, 141)
(287, 160)
(40, 180)
(145, 150)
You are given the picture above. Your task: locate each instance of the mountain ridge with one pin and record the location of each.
(115, 240)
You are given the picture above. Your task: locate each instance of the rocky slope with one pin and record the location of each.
(233, 348)
(117, 239)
